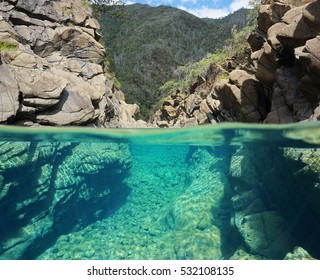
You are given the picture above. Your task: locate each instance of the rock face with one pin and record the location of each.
(284, 87)
(36, 205)
(288, 61)
(51, 68)
(275, 201)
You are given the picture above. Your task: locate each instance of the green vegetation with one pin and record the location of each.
(85, 3)
(146, 44)
(235, 47)
(7, 46)
(185, 75)
(109, 68)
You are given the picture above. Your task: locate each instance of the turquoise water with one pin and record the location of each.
(230, 191)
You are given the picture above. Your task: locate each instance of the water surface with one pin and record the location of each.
(212, 192)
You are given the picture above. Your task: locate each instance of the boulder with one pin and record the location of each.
(74, 108)
(270, 14)
(298, 254)
(242, 96)
(288, 104)
(266, 234)
(76, 43)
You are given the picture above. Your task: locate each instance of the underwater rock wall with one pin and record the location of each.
(48, 189)
(199, 217)
(275, 201)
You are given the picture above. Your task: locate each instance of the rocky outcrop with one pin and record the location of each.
(283, 88)
(195, 107)
(214, 99)
(51, 68)
(287, 63)
(37, 207)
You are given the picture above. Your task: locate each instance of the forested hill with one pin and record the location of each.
(145, 44)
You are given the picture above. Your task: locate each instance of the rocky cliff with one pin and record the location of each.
(282, 88)
(51, 68)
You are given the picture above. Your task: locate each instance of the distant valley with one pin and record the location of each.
(146, 44)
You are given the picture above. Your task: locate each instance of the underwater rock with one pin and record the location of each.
(199, 244)
(241, 254)
(37, 205)
(283, 191)
(298, 254)
(195, 208)
(266, 234)
(201, 210)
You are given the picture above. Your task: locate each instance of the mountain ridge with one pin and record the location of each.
(146, 44)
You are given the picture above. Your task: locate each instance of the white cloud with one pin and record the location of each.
(205, 12)
(189, 1)
(129, 2)
(238, 4)
(156, 3)
(215, 2)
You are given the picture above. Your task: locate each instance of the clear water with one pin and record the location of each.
(212, 192)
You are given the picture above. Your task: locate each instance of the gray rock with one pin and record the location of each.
(42, 9)
(57, 64)
(266, 234)
(298, 254)
(39, 84)
(9, 93)
(76, 43)
(74, 108)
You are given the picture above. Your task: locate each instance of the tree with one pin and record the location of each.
(105, 2)
(101, 6)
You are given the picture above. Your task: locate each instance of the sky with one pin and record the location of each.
(200, 8)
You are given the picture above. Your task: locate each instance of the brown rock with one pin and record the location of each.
(287, 101)
(192, 102)
(169, 111)
(280, 115)
(295, 28)
(271, 14)
(266, 65)
(242, 97)
(311, 14)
